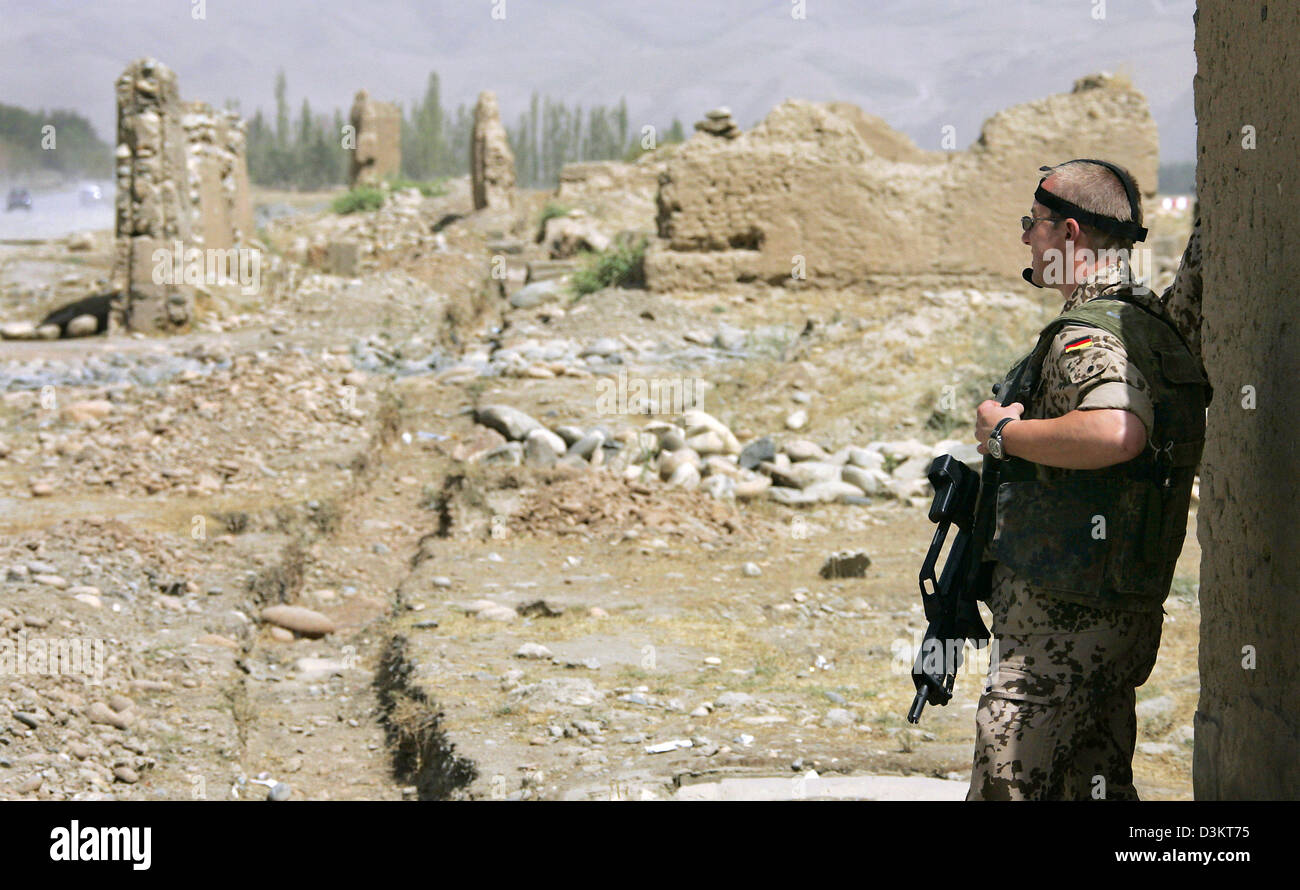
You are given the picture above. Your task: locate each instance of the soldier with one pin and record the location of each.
(1099, 443)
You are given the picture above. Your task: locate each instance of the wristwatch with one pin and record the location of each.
(995, 439)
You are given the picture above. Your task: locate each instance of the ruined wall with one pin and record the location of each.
(837, 187)
(153, 209)
(378, 154)
(220, 202)
(182, 179)
(620, 195)
(491, 162)
(1248, 720)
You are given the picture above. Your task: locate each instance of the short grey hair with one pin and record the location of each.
(1097, 188)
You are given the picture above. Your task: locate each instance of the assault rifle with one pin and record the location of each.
(949, 600)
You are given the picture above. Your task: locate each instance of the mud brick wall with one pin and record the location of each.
(837, 187)
(220, 200)
(1248, 719)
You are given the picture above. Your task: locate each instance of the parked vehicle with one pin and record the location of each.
(19, 199)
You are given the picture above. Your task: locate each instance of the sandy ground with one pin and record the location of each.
(272, 469)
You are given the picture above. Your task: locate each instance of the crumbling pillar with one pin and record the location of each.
(378, 153)
(491, 162)
(152, 210)
(218, 177)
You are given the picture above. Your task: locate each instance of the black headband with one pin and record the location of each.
(1127, 230)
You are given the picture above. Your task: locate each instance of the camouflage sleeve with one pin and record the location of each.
(1088, 368)
(1182, 299)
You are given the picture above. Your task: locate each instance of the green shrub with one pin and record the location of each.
(362, 198)
(553, 210)
(622, 265)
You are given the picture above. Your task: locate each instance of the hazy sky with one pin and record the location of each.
(919, 64)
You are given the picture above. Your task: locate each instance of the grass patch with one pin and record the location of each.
(552, 211)
(432, 188)
(772, 342)
(1185, 588)
(622, 265)
(362, 198)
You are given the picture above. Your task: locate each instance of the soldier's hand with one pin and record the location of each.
(987, 416)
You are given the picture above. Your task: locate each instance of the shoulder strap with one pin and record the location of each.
(1129, 301)
(1096, 315)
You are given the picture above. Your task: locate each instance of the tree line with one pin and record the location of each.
(59, 141)
(307, 152)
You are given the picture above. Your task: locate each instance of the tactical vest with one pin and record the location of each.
(1109, 537)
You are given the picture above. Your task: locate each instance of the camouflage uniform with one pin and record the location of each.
(1182, 299)
(1058, 706)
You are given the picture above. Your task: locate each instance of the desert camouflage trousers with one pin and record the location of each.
(1056, 720)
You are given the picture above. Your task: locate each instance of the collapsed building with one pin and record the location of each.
(826, 194)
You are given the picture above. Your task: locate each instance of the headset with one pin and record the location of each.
(1130, 231)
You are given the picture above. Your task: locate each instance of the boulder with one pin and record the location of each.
(298, 619)
(512, 423)
(83, 326)
(805, 473)
(533, 295)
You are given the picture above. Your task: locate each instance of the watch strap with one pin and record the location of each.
(997, 434)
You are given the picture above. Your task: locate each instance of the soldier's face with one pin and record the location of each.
(1041, 237)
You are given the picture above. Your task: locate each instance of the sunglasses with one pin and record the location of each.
(1027, 222)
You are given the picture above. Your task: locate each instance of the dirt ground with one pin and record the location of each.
(266, 463)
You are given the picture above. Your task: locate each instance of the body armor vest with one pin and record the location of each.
(1108, 537)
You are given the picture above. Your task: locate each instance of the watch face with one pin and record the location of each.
(995, 447)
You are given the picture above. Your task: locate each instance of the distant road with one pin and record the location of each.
(55, 214)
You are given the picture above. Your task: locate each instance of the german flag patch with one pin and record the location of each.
(1081, 343)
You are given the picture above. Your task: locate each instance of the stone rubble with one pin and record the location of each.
(719, 122)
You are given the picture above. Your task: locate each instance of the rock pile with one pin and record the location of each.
(357, 243)
(566, 236)
(699, 451)
(26, 330)
(719, 122)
